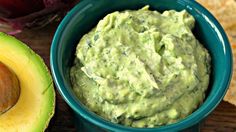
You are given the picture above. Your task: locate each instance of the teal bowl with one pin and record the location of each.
(85, 15)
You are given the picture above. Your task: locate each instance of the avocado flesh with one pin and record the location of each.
(36, 103)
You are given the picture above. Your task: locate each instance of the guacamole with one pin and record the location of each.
(141, 68)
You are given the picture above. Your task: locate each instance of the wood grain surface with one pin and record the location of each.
(223, 118)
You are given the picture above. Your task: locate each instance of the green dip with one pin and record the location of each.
(141, 68)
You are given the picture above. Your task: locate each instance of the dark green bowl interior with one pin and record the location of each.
(86, 15)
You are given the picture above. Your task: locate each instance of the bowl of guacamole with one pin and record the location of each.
(142, 65)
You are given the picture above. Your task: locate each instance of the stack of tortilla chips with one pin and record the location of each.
(225, 12)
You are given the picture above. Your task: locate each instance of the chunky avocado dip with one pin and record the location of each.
(141, 68)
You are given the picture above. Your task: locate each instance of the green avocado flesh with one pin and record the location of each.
(35, 106)
(141, 68)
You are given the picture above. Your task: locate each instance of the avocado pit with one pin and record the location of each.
(9, 88)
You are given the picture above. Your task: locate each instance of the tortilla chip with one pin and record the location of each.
(225, 12)
(231, 93)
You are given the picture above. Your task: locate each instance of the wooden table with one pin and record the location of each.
(223, 119)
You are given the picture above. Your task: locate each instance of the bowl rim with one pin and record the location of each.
(187, 122)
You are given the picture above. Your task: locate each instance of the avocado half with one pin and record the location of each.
(36, 103)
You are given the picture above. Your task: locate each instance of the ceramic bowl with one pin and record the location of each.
(84, 16)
